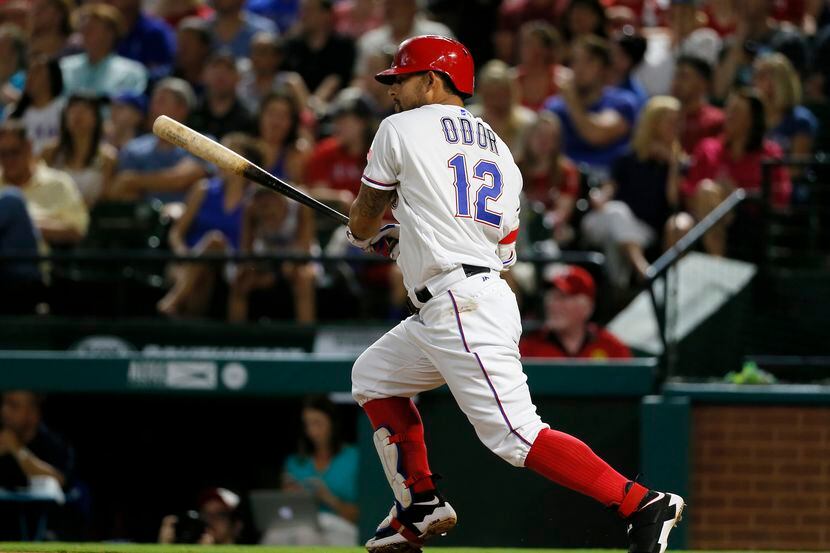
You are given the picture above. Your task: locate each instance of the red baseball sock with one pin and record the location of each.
(570, 462)
(400, 416)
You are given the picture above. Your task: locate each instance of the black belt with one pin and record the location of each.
(424, 295)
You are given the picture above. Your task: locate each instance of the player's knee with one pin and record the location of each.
(514, 455)
(514, 446)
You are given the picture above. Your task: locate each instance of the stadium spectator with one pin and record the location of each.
(515, 14)
(756, 33)
(15, 12)
(98, 68)
(12, 63)
(499, 103)
(146, 39)
(154, 168)
(722, 16)
(549, 177)
(211, 223)
(627, 51)
(354, 18)
(50, 28)
(690, 33)
(283, 13)
(382, 102)
(583, 18)
(266, 73)
(53, 201)
(596, 119)
(221, 111)
(193, 48)
(691, 84)
(334, 169)
(323, 58)
(271, 225)
(568, 305)
(539, 69)
(402, 20)
(128, 112)
(632, 208)
(219, 512)
(80, 150)
(18, 235)
(720, 165)
(176, 11)
(327, 467)
(637, 13)
(284, 152)
(789, 124)
(28, 448)
(233, 27)
(42, 102)
(686, 34)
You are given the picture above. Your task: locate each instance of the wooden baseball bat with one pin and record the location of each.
(224, 158)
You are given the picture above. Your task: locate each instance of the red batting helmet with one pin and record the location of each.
(433, 53)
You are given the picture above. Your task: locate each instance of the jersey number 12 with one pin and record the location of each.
(487, 191)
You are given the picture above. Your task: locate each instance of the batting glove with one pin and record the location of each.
(507, 254)
(362, 243)
(387, 241)
(506, 248)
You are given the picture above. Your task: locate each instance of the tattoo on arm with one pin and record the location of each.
(372, 202)
(368, 209)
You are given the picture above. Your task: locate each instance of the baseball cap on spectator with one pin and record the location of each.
(180, 88)
(133, 99)
(573, 281)
(229, 499)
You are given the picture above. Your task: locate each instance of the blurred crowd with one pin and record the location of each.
(630, 120)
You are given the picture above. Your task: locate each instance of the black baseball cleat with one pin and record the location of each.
(650, 525)
(406, 530)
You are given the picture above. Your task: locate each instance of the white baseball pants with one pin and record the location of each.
(467, 337)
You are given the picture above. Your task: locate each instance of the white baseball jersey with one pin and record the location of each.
(458, 189)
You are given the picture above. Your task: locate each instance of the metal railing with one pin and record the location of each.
(763, 250)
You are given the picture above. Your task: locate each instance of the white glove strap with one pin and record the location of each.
(357, 242)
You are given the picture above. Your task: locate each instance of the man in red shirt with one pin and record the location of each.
(569, 303)
(691, 85)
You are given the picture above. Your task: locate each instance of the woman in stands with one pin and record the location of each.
(284, 150)
(274, 225)
(42, 102)
(720, 165)
(211, 223)
(551, 180)
(632, 211)
(80, 149)
(789, 124)
(326, 467)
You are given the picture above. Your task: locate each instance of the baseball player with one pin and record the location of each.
(454, 187)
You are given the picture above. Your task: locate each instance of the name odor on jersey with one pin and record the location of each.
(463, 131)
